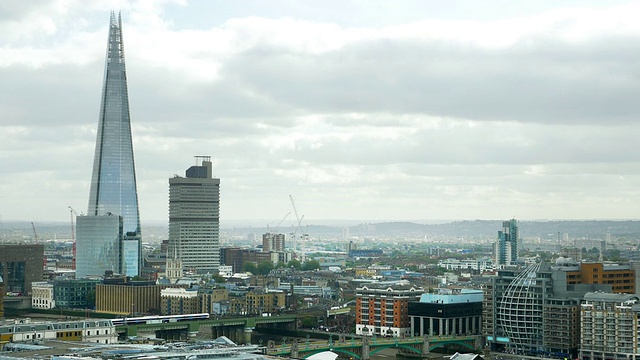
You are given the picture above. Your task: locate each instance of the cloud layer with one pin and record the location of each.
(531, 115)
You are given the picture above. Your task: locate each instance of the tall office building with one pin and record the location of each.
(113, 183)
(194, 217)
(272, 242)
(507, 244)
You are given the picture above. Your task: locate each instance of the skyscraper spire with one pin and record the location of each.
(113, 182)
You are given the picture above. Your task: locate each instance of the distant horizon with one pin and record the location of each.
(263, 223)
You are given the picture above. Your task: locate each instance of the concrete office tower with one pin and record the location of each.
(194, 218)
(507, 245)
(273, 242)
(113, 183)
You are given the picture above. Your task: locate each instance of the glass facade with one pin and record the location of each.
(99, 244)
(113, 181)
(75, 294)
(507, 246)
(130, 256)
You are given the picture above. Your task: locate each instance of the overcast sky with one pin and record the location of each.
(359, 109)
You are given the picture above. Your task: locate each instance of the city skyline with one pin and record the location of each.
(380, 111)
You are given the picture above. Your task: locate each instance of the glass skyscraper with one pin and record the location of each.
(113, 182)
(507, 244)
(99, 244)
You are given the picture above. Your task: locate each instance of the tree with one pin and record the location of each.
(265, 267)
(91, 299)
(294, 264)
(311, 265)
(280, 264)
(218, 278)
(250, 267)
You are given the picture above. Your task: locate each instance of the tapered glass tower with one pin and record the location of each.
(113, 183)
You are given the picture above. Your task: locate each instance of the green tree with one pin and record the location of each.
(280, 264)
(250, 267)
(265, 267)
(91, 299)
(218, 279)
(294, 264)
(311, 265)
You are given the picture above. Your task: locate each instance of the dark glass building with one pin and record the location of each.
(20, 265)
(113, 182)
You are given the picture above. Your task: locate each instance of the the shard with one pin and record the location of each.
(113, 182)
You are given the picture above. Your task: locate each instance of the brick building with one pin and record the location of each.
(383, 310)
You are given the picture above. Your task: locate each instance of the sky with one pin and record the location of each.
(377, 110)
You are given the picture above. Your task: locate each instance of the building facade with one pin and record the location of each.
(194, 218)
(257, 302)
(130, 297)
(113, 182)
(535, 311)
(75, 294)
(506, 247)
(96, 331)
(178, 301)
(211, 298)
(42, 296)
(383, 310)
(621, 277)
(21, 265)
(99, 245)
(609, 327)
(447, 312)
(272, 242)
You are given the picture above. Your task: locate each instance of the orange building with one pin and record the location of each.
(621, 277)
(383, 310)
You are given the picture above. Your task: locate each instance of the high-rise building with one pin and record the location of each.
(113, 182)
(194, 217)
(99, 245)
(20, 265)
(507, 244)
(272, 242)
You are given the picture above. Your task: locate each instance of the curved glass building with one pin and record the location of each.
(520, 313)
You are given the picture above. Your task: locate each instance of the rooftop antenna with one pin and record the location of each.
(201, 158)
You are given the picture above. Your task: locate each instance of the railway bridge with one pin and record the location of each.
(362, 349)
(237, 329)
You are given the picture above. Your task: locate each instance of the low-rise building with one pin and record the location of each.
(448, 312)
(383, 309)
(209, 297)
(609, 326)
(75, 293)
(42, 295)
(257, 302)
(178, 301)
(96, 331)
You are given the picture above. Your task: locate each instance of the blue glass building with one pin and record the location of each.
(113, 182)
(99, 245)
(507, 244)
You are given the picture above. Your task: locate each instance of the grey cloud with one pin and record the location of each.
(539, 80)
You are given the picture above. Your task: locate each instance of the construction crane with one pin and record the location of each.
(281, 221)
(37, 241)
(35, 234)
(297, 227)
(73, 213)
